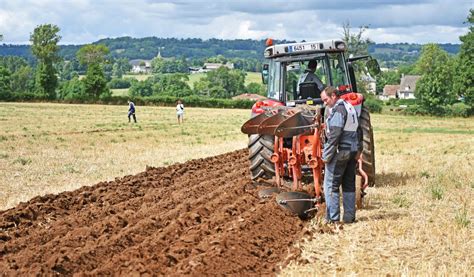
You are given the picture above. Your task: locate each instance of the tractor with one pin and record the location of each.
(286, 130)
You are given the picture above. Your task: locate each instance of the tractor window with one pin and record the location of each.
(274, 80)
(321, 72)
(293, 72)
(338, 70)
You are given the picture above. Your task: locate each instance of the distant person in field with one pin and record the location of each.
(180, 112)
(131, 111)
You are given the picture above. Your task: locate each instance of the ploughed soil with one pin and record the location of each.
(200, 217)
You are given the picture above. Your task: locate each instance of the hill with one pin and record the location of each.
(389, 55)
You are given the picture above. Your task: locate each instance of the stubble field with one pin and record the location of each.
(198, 216)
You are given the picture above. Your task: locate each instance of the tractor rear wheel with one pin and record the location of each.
(368, 152)
(260, 152)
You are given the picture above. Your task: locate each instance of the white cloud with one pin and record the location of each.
(85, 21)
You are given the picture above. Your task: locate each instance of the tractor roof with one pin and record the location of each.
(301, 48)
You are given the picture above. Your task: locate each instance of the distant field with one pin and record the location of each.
(253, 77)
(120, 92)
(139, 77)
(418, 219)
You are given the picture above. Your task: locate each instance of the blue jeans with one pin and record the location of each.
(340, 170)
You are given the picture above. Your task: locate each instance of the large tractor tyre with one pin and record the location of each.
(368, 152)
(260, 152)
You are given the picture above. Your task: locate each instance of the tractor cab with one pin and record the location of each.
(287, 64)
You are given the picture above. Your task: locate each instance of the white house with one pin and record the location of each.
(211, 67)
(389, 92)
(371, 83)
(407, 86)
(140, 66)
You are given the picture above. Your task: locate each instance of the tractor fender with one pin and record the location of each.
(355, 99)
(260, 106)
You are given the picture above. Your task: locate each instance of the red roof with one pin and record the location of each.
(390, 90)
(249, 96)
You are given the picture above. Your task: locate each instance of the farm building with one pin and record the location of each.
(140, 66)
(249, 96)
(407, 86)
(389, 92)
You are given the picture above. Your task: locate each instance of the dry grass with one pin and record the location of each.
(418, 220)
(49, 148)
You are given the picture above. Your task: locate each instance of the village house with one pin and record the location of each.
(140, 66)
(210, 67)
(389, 92)
(407, 86)
(370, 83)
(249, 96)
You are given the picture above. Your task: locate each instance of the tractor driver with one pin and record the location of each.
(309, 77)
(341, 153)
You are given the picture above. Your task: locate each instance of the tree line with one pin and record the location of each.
(196, 50)
(89, 76)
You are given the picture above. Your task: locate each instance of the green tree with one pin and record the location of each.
(66, 70)
(171, 84)
(95, 83)
(5, 89)
(357, 45)
(22, 75)
(464, 77)
(434, 89)
(391, 77)
(117, 71)
(22, 80)
(141, 88)
(217, 59)
(256, 88)
(221, 83)
(45, 47)
(73, 90)
(160, 65)
(92, 54)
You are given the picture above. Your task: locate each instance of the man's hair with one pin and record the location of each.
(330, 91)
(312, 64)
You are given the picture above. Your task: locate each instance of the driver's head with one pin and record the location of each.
(329, 96)
(312, 64)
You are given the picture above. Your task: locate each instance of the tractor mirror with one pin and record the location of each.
(265, 73)
(373, 67)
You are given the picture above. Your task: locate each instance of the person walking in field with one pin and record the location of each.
(341, 153)
(131, 111)
(180, 112)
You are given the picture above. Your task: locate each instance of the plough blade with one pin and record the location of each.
(301, 123)
(268, 192)
(251, 126)
(269, 125)
(298, 203)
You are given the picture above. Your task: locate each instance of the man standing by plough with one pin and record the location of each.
(341, 152)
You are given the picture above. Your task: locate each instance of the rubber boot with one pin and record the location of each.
(332, 207)
(349, 203)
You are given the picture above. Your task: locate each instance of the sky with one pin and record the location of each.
(86, 21)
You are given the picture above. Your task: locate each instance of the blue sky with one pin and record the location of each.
(85, 21)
